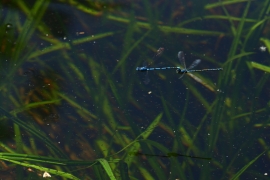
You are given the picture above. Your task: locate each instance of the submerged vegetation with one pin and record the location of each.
(73, 105)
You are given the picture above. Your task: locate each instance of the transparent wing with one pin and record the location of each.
(159, 51)
(181, 76)
(145, 64)
(181, 58)
(195, 63)
(146, 78)
(157, 54)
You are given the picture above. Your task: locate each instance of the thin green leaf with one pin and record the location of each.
(44, 169)
(266, 42)
(66, 45)
(241, 171)
(260, 67)
(135, 145)
(122, 60)
(222, 3)
(238, 56)
(34, 131)
(34, 105)
(152, 126)
(107, 168)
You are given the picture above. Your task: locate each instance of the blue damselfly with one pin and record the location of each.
(179, 70)
(185, 70)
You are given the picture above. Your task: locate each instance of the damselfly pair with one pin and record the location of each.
(183, 71)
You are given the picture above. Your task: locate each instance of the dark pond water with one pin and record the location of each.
(73, 101)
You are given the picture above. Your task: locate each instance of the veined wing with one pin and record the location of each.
(158, 53)
(145, 64)
(146, 78)
(195, 63)
(181, 58)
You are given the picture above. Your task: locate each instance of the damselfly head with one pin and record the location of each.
(178, 71)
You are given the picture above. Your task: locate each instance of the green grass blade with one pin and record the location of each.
(123, 168)
(122, 60)
(266, 42)
(222, 3)
(151, 127)
(241, 171)
(107, 168)
(51, 171)
(238, 56)
(34, 131)
(32, 158)
(30, 25)
(76, 105)
(197, 94)
(252, 30)
(66, 45)
(260, 66)
(135, 145)
(34, 105)
(216, 17)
